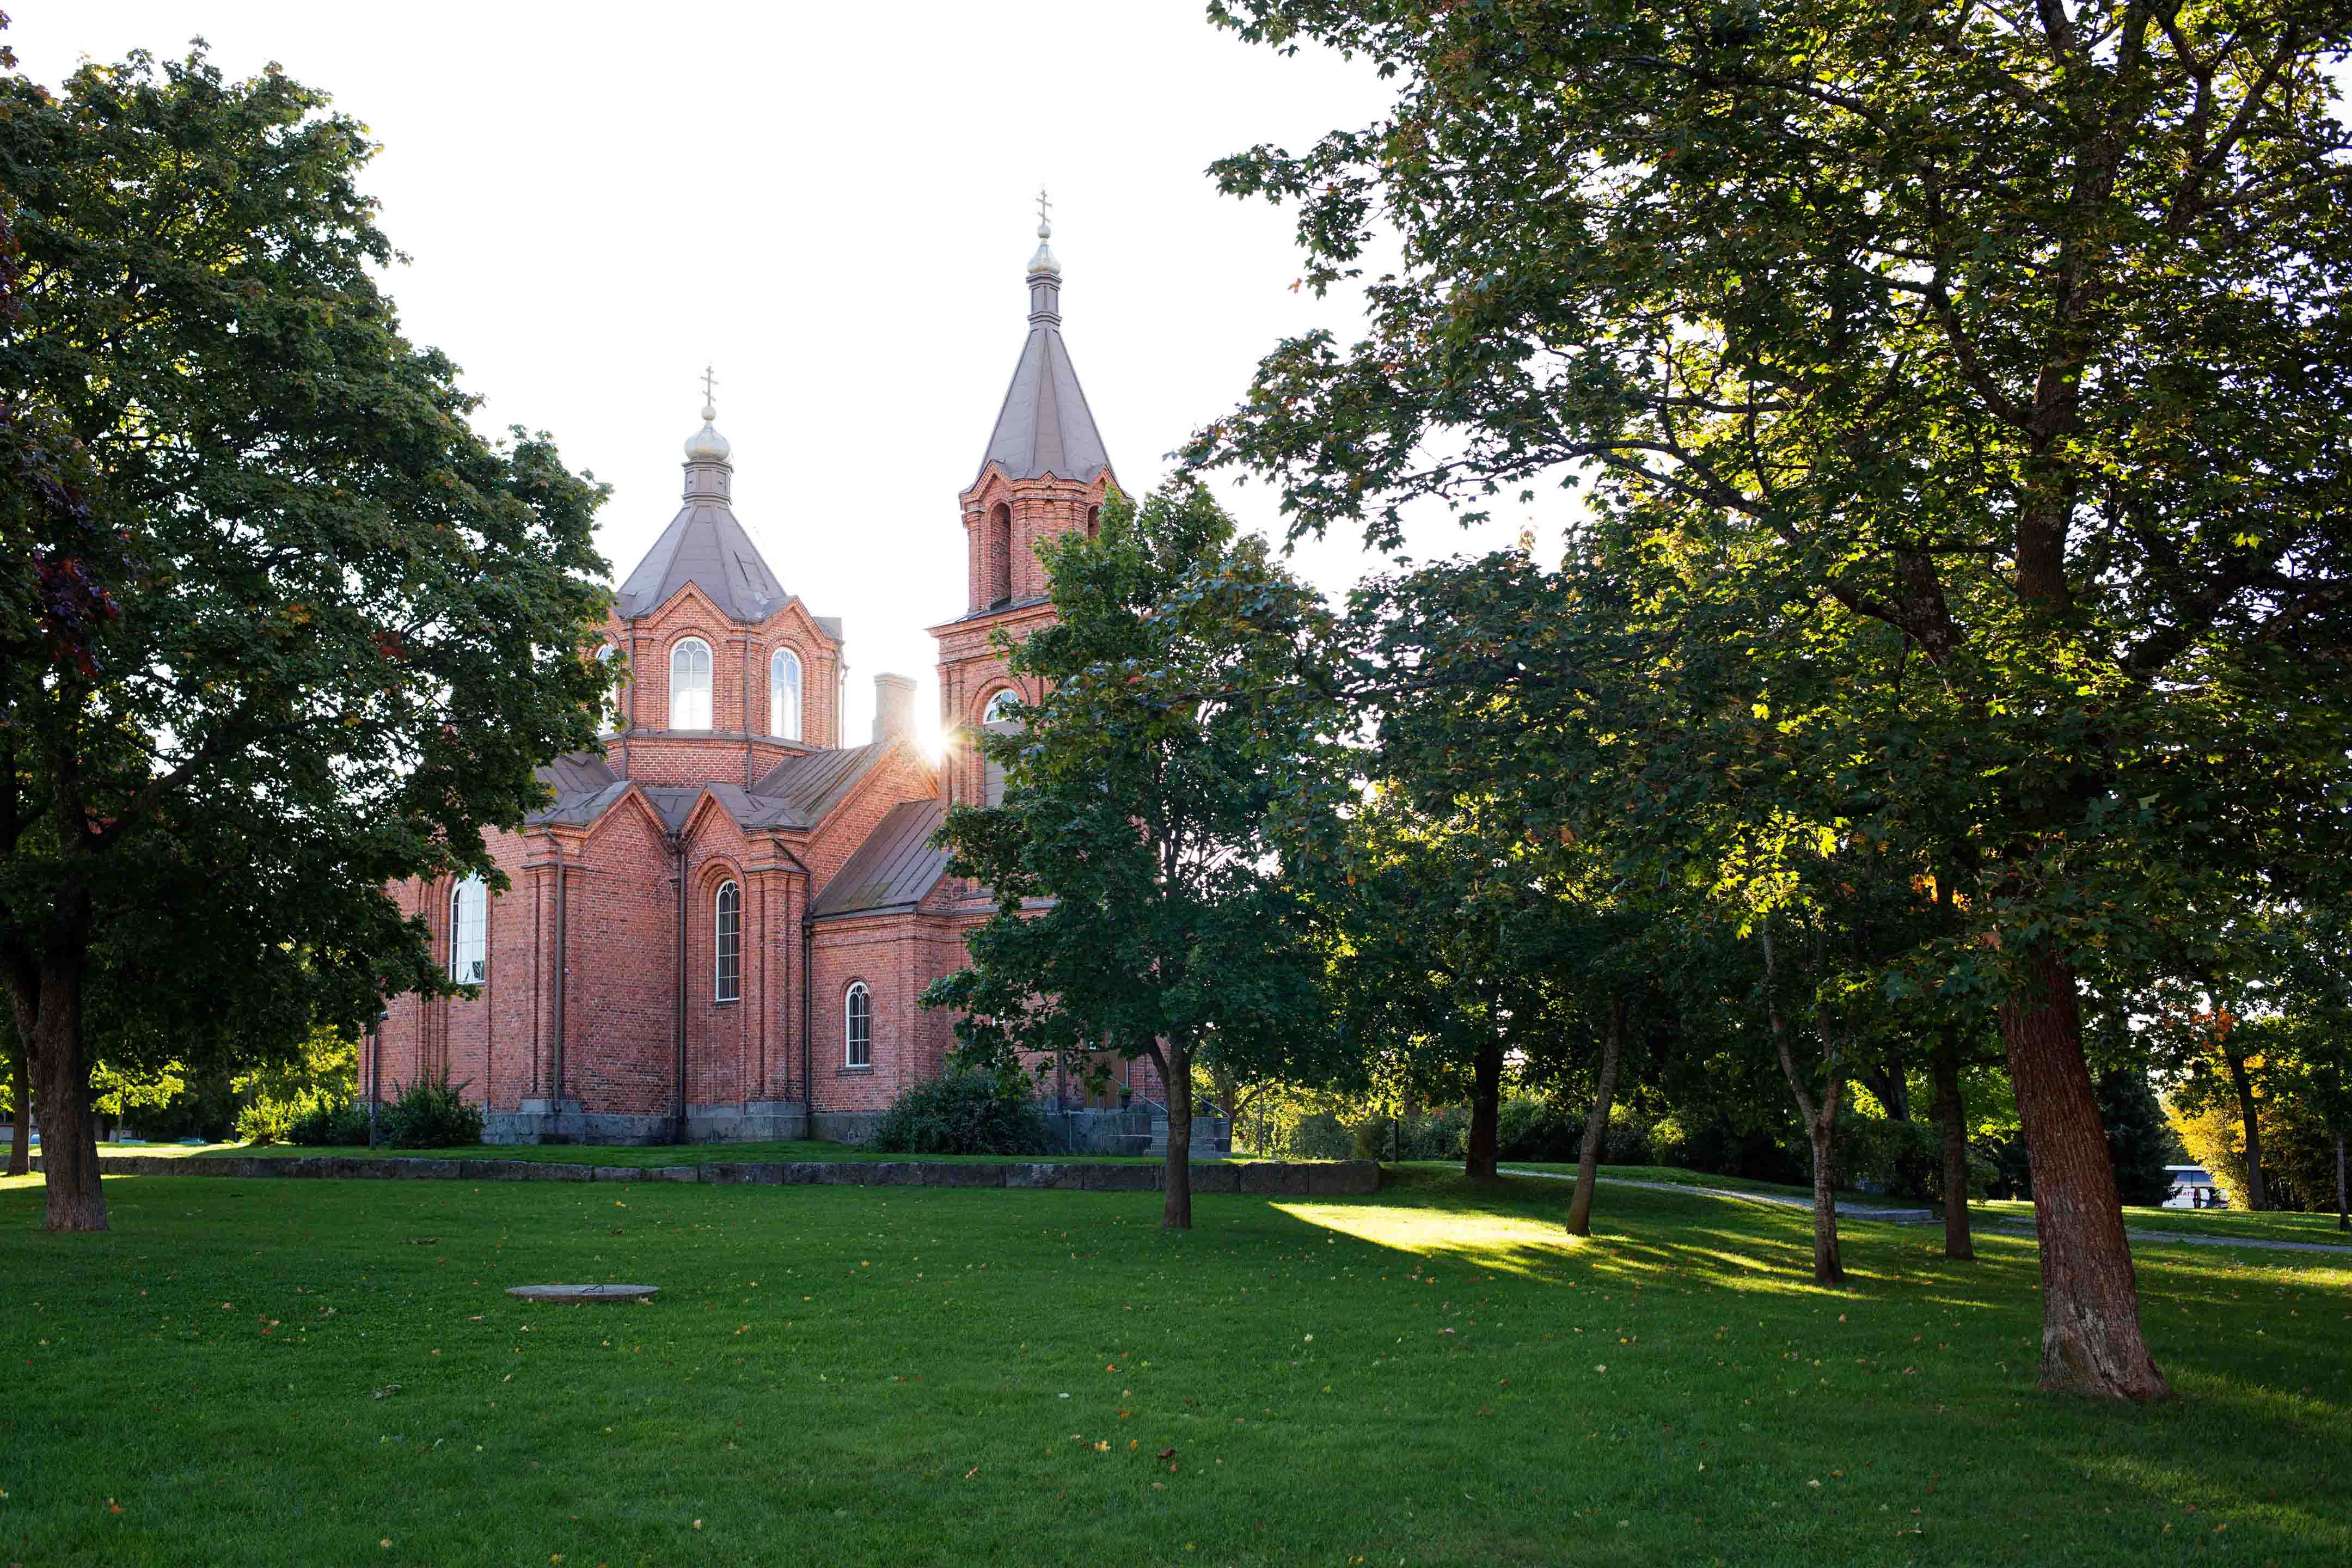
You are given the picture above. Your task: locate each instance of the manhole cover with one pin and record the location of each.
(584, 1292)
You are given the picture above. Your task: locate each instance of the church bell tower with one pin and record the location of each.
(1045, 472)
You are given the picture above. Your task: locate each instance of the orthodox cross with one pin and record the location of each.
(709, 380)
(1043, 202)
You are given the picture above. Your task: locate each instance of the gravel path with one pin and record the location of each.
(1927, 1217)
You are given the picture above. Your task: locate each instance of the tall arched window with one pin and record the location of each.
(996, 558)
(1094, 521)
(858, 1026)
(991, 771)
(606, 654)
(469, 932)
(727, 945)
(689, 685)
(784, 694)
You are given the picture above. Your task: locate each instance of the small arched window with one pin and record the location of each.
(469, 932)
(858, 1026)
(997, 558)
(784, 694)
(727, 945)
(1094, 521)
(689, 685)
(999, 709)
(611, 725)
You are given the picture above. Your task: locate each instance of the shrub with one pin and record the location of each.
(966, 1112)
(331, 1123)
(1880, 1154)
(1543, 1130)
(429, 1114)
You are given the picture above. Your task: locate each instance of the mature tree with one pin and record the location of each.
(1182, 745)
(1436, 925)
(286, 631)
(2014, 334)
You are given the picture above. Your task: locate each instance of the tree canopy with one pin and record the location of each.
(1961, 395)
(279, 627)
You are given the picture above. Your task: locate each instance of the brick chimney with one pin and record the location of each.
(894, 707)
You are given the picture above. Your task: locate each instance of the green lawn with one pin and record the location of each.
(844, 1374)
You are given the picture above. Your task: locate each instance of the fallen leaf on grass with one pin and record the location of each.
(386, 1392)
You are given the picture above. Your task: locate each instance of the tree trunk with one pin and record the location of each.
(1485, 1112)
(1829, 1268)
(1176, 1212)
(20, 1091)
(2244, 1085)
(1596, 1125)
(2091, 1340)
(1952, 1125)
(1820, 1126)
(61, 1087)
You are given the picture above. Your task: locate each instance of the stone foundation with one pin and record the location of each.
(1334, 1178)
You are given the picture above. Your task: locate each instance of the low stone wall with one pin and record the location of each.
(1334, 1178)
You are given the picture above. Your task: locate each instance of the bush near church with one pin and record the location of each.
(965, 1113)
(432, 1113)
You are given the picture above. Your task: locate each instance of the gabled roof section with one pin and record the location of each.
(585, 789)
(800, 790)
(705, 546)
(894, 869)
(1045, 426)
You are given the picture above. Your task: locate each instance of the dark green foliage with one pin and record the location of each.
(1544, 1130)
(299, 631)
(966, 1112)
(1180, 745)
(432, 1113)
(335, 1125)
(1882, 1154)
(2138, 1137)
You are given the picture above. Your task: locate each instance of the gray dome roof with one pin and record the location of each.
(705, 546)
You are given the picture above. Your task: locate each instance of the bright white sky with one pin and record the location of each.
(598, 199)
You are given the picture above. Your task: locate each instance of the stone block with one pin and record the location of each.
(493, 1171)
(940, 1174)
(670, 1173)
(619, 1173)
(722, 1173)
(1274, 1178)
(429, 1170)
(557, 1171)
(1217, 1178)
(1122, 1178)
(892, 1174)
(1343, 1178)
(1044, 1174)
(802, 1172)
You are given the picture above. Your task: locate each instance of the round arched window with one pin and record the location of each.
(858, 1026)
(784, 694)
(689, 685)
(727, 945)
(469, 932)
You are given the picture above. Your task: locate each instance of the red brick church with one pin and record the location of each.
(718, 928)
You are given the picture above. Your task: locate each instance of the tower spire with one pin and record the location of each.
(1045, 269)
(1045, 426)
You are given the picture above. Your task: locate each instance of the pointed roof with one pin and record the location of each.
(1045, 426)
(894, 868)
(704, 544)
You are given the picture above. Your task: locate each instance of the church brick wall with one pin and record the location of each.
(620, 968)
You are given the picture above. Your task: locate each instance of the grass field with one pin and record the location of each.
(330, 1371)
